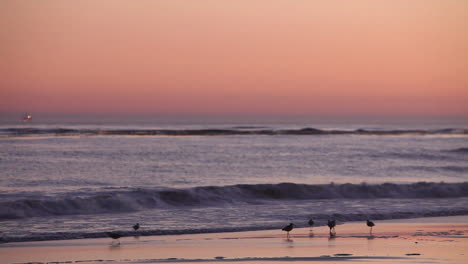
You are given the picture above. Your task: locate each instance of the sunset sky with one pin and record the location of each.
(234, 57)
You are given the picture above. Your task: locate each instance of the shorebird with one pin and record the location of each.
(370, 224)
(311, 224)
(114, 236)
(136, 226)
(288, 228)
(331, 224)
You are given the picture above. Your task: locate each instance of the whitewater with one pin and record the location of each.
(67, 181)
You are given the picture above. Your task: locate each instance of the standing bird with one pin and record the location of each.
(288, 228)
(370, 224)
(331, 224)
(136, 226)
(311, 224)
(114, 236)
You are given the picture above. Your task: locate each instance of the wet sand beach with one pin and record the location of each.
(423, 240)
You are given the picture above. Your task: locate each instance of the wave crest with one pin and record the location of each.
(459, 150)
(127, 200)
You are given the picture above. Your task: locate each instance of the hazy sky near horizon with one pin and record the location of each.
(235, 57)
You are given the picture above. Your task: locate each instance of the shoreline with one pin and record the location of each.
(65, 236)
(440, 239)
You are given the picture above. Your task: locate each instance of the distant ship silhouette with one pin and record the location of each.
(27, 117)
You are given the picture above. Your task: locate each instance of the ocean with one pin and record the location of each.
(80, 180)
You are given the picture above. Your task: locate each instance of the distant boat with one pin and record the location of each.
(27, 117)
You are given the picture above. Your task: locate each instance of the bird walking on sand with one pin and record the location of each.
(370, 224)
(114, 236)
(136, 226)
(288, 228)
(331, 224)
(311, 223)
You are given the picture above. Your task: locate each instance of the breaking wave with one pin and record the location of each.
(115, 200)
(12, 132)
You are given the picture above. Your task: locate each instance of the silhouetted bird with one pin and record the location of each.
(136, 226)
(288, 228)
(370, 224)
(114, 236)
(331, 224)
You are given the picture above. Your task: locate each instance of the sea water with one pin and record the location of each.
(65, 181)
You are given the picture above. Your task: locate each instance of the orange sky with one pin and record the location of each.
(235, 57)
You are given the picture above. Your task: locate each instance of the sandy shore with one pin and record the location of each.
(425, 240)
